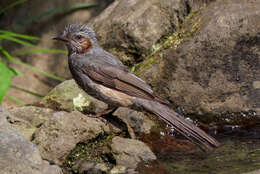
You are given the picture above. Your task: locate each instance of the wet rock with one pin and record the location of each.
(60, 134)
(17, 154)
(68, 96)
(216, 68)
(129, 29)
(129, 152)
(137, 121)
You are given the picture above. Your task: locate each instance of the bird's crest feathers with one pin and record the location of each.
(80, 29)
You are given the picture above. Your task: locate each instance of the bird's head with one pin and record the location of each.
(78, 38)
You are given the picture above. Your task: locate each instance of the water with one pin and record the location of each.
(239, 153)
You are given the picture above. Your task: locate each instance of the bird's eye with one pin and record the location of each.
(78, 37)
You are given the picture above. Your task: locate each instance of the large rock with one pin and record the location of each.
(4, 123)
(194, 5)
(26, 119)
(68, 96)
(60, 134)
(129, 152)
(218, 69)
(113, 155)
(137, 122)
(131, 28)
(19, 155)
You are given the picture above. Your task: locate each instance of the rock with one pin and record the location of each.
(217, 70)
(138, 121)
(50, 169)
(129, 152)
(253, 172)
(17, 154)
(4, 125)
(60, 134)
(194, 5)
(118, 170)
(91, 167)
(32, 114)
(130, 29)
(68, 96)
(26, 119)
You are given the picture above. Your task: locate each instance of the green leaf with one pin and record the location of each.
(5, 79)
(7, 55)
(8, 37)
(40, 50)
(16, 100)
(27, 91)
(17, 61)
(27, 37)
(38, 70)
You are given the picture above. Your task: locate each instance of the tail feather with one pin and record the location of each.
(184, 127)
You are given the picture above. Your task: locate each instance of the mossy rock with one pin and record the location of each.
(68, 96)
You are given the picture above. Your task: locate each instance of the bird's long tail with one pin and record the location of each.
(184, 127)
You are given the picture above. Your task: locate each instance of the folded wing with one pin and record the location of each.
(123, 81)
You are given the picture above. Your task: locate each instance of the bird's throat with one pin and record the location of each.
(86, 45)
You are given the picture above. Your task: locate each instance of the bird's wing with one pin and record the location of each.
(121, 80)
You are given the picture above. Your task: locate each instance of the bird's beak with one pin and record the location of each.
(61, 38)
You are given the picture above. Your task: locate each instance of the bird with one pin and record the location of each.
(103, 76)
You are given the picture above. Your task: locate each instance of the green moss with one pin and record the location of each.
(193, 29)
(68, 97)
(139, 68)
(172, 41)
(190, 16)
(190, 25)
(80, 103)
(52, 103)
(95, 150)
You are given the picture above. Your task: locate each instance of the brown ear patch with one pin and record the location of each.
(86, 45)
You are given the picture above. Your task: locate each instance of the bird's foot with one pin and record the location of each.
(98, 116)
(103, 112)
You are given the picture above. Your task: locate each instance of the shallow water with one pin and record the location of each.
(233, 156)
(239, 153)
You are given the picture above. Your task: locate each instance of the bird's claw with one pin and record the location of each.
(98, 117)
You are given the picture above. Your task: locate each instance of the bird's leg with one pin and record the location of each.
(108, 110)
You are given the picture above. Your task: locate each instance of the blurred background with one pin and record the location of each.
(29, 57)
